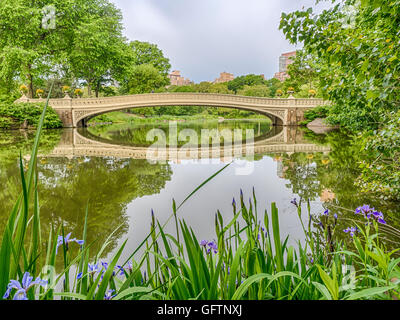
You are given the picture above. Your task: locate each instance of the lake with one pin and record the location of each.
(109, 169)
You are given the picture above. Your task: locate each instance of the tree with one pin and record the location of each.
(148, 53)
(248, 80)
(145, 78)
(255, 91)
(302, 73)
(151, 61)
(354, 45)
(31, 51)
(98, 46)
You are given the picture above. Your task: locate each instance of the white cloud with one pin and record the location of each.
(205, 37)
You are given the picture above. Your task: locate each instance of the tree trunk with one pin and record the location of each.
(89, 87)
(30, 83)
(97, 88)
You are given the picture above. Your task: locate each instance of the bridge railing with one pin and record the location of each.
(176, 97)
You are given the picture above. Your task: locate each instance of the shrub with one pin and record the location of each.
(15, 114)
(318, 112)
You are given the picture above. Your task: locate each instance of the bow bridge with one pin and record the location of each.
(76, 112)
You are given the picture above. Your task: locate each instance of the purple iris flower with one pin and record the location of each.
(213, 246)
(351, 230)
(67, 240)
(377, 214)
(371, 212)
(105, 267)
(326, 212)
(294, 201)
(335, 216)
(129, 267)
(204, 243)
(23, 287)
(109, 295)
(381, 221)
(234, 202)
(93, 268)
(365, 210)
(122, 271)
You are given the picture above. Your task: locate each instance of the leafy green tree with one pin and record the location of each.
(274, 85)
(260, 90)
(31, 51)
(354, 46)
(98, 46)
(145, 78)
(147, 60)
(303, 75)
(148, 53)
(248, 80)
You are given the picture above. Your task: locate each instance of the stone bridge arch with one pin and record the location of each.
(286, 112)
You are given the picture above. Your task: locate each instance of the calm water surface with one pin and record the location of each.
(93, 166)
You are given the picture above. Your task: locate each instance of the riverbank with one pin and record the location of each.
(319, 126)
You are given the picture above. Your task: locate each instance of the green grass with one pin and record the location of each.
(250, 260)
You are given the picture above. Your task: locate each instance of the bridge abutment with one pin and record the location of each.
(66, 116)
(294, 116)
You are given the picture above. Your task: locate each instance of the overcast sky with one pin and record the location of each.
(205, 37)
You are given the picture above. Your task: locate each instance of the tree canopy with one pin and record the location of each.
(81, 44)
(354, 45)
(353, 50)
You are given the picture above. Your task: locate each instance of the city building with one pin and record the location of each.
(224, 77)
(177, 80)
(285, 60)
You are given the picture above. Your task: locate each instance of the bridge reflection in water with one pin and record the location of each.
(280, 140)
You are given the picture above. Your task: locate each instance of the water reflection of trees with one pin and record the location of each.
(66, 186)
(319, 176)
(136, 134)
(11, 144)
